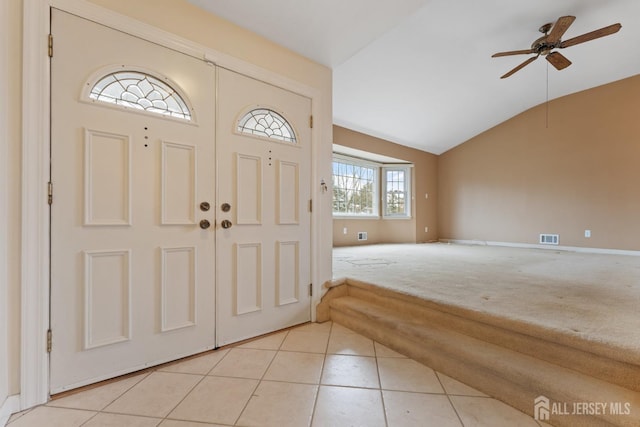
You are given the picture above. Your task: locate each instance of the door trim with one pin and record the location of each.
(34, 369)
(4, 211)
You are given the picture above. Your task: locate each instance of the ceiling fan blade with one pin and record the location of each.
(558, 60)
(513, 52)
(611, 29)
(562, 24)
(519, 67)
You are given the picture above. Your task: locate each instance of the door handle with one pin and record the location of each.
(226, 224)
(204, 224)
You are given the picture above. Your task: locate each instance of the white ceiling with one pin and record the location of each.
(420, 72)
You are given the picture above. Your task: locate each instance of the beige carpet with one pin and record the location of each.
(588, 296)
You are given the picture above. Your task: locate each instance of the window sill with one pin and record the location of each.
(397, 217)
(356, 217)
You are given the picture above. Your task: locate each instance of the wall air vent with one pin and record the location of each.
(362, 235)
(549, 239)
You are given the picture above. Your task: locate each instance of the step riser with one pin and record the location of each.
(472, 374)
(508, 365)
(612, 371)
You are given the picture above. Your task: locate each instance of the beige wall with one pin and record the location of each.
(183, 19)
(424, 182)
(188, 21)
(523, 178)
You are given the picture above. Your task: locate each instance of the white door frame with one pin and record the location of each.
(34, 369)
(4, 211)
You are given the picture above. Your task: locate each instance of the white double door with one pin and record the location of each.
(137, 277)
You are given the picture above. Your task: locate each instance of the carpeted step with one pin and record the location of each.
(611, 364)
(448, 345)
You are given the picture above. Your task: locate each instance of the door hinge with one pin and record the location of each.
(310, 205)
(50, 45)
(49, 340)
(50, 193)
(311, 122)
(310, 289)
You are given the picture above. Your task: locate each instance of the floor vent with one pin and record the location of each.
(549, 239)
(362, 235)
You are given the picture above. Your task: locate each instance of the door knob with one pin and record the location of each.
(226, 224)
(204, 224)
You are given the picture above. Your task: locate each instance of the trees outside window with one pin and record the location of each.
(397, 194)
(355, 188)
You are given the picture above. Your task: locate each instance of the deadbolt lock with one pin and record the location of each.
(205, 206)
(226, 207)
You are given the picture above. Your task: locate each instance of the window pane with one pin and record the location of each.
(354, 188)
(141, 91)
(396, 192)
(268, 124)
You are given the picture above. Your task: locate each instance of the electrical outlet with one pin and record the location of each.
(344, 230)
(426, 229)
(587, 233)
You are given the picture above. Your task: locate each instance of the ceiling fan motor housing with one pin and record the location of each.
(541, 47)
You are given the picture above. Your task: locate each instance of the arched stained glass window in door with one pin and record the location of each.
(267, 123)
(141, 91)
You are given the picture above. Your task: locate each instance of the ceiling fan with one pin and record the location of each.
(552, 40)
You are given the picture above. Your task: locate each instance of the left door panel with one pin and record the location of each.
(132, 270)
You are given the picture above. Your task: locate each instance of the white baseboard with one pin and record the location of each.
(536, 246)
(10, 406)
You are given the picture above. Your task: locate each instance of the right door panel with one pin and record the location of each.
(263, 256)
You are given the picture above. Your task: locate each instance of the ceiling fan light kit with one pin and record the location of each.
(552, 39)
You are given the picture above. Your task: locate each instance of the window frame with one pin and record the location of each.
(406, 168)
(340, 158)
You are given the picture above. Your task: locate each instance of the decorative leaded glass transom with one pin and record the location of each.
(141, 91)
(266, 123)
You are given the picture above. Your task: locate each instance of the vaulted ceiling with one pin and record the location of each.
(420, 72)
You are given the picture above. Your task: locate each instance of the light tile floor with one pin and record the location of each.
(311, 375)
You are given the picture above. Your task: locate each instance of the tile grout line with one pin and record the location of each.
(384, 407)
(183, 398)
(192, 388)
(446, 393)
(324, 361)
(449, 395)
(101, 411)
(244, 408)
(90, 418)
(115, 413)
